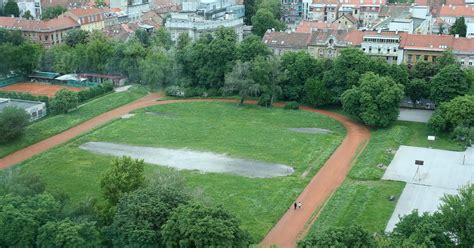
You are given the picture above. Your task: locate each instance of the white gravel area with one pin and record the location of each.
(443, 172)
(415, 115)
(123, 88)
(183, 159)
(310, 130)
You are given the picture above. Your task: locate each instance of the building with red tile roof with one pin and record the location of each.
(48, 33)
(281, 42)
(308, 26)
(89, 18)
(449, 13)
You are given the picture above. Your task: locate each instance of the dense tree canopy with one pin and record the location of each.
(141, 214)
(457, 112)
(125, 175)
(195, 225)
(52, 12)
(375, 101)
(352, 236)
(264, 20)
(448, 83)
(63, 101)
(13, 121)
(76, 36)
(68, 233)
(239, 81)
(459, 27)
(11, 9)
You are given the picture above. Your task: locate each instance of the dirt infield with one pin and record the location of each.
(293, 224)
(38, 89)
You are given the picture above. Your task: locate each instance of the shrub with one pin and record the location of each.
(13, 121)
(194, 92)
(174, 90)
(63, 101)
(292, 105)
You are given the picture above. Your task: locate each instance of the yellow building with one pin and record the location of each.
(89, 18)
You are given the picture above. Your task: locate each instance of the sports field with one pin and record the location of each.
(38, 89)
(248, 132)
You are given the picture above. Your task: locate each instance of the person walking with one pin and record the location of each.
(299, 204)
(295, 205)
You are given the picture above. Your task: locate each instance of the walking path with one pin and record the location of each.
(294, 223)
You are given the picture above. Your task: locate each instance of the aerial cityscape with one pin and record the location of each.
(236, 123)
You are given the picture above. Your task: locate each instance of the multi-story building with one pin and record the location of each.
(133, 8)
(417, 47)
(327, 43)
(32, 6)
(206, 17)
(48, 33)
(294, 11)
(449, 13)
(89, 18)
(385, 45)
(281, 42)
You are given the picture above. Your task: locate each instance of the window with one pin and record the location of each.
(462, 62)
(470, 62)
(380, 49)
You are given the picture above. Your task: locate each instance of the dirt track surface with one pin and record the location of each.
(294, 223)
(39, 89)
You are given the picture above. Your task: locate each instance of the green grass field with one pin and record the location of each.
(244, 132)
(363, 197)
(50, 126)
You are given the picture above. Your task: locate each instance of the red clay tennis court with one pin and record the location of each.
(39, 89)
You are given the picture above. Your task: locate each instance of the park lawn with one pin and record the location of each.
(243, 132)
(53, 125)
(365, 203)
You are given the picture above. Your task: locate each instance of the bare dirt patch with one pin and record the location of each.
(39, 89)
(310, 130)
(183, 159)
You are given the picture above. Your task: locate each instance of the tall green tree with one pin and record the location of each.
(417, 89)
(124, 176)
(415, 230)
(352, 236)
(459, 27)
(264, 20)
(27, 15)
(424, 70)
(11, 9)
(52, 12)
(251, 47)
(299, 67)
(98, 52)
(141, 214)
(375, 101)
(448, 83)
(13, 122)
(63, 101)
(158, 69)
(68, 233)
(457, 112)
(274, 6)
(457, 216)
(194, 225)
(250, 10)
(76, 36)
(267, 72)
(239, 81)
(162, 38)
(316, 93)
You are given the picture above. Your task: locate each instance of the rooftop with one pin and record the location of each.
(23, 104)
(308, 26)
(59, 23)
(285, 39)
(89, 11)
(457, 11)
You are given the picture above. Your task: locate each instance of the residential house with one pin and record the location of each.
(89, 18)
(281, 42)
(328, 43)
(347, 21)
(418, 47)
(133, 8)
(385, 45)
(463, 49)
(449, 13)
(48, 33)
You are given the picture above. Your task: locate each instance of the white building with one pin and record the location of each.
(133, 8)
(383, 45)
(36, 110)
(33, 6)
(470, 31)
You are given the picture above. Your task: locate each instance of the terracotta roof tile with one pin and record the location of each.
(59, 23)
(428, 42)
(458, 11)
(351, 2)
(455, 2)
(286, 40)
(463, 45)
(307, 26)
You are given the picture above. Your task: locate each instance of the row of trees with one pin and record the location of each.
(138, 213)
(451, 226)
(18, 55)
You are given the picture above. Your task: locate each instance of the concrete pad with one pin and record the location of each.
(415, 115)
(128, 116)
(421, 197)
(123, 88)
(443, 172)
(310, 130)
(182, 159)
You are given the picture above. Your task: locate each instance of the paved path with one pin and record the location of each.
(294, 223)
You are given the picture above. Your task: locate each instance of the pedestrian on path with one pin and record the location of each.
(299, 204)
(295, 205)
